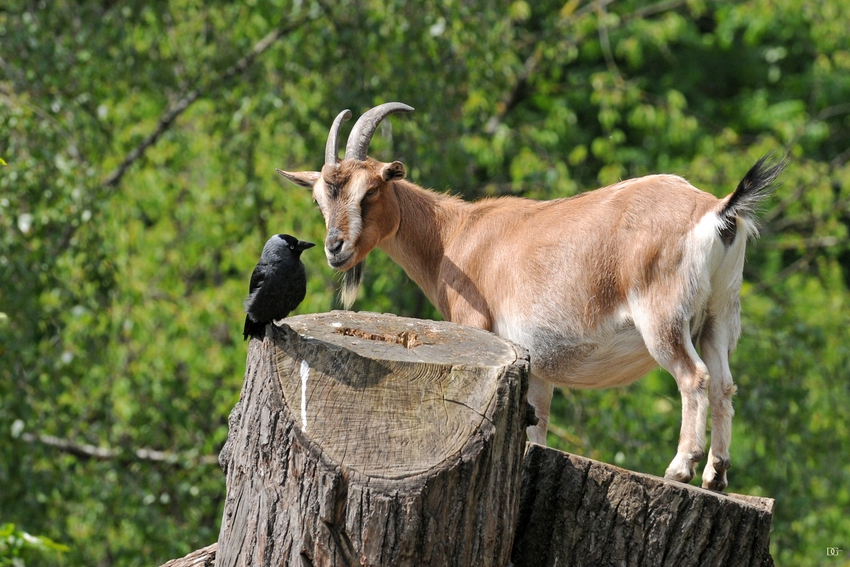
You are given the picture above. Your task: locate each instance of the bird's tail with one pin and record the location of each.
(253, 329)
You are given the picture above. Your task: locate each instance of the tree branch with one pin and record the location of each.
(168, 118)
(86, 451)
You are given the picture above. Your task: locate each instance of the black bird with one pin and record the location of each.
(278, 283)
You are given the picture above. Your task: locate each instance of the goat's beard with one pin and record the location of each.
(351, 281)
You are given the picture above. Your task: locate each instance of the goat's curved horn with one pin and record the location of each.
(333, 137)
(361, 133)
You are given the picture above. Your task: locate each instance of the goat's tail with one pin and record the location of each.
(351, 285)
(756, 185)
(754, 188)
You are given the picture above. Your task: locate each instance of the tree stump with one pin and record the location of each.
(576, 511)
(365, 439)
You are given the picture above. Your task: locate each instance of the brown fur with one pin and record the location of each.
(600, 287)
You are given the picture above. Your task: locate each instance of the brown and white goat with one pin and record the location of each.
(601, 287)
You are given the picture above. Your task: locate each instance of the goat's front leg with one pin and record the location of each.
(540, 397)
(471, 310)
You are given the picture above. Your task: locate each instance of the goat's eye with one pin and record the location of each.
(372, 192)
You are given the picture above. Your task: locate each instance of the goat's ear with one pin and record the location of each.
(393, 171)
(302, 178)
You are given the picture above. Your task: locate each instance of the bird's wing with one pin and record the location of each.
(258, 276)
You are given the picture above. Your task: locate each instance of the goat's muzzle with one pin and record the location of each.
(339, 262)
(338, 254)
(334, 241)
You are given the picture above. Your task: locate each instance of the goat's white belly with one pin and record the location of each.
(613, 357)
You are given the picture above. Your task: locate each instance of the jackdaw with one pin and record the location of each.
(278, 283)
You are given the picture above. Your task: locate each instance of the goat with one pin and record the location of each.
(600, 288)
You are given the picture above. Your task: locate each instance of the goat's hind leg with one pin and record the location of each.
(715, 347)
(670, 344)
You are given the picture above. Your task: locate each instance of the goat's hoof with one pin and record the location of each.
(531, 418)
(714, 476)
(716, 484)
(681, 469)
(681, 475)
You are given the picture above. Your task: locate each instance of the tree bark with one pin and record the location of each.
(576, 511)
(363, 439)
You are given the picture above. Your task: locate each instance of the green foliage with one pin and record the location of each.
(16, 546)
(121, 284)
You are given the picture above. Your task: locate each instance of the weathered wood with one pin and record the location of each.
(576, 511)
(204, 557)
(363, 439)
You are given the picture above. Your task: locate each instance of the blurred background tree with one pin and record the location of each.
(141, 139)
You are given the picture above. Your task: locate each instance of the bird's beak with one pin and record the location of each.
(304, 245)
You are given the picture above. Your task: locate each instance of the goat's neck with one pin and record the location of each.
(428, 220)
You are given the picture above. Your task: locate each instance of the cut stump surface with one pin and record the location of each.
(383, 409)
